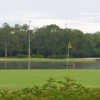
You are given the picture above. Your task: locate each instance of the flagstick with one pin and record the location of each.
(68, 59)
(69, 46)
(68, 52)
(66, 65)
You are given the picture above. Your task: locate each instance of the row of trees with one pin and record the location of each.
(47, 41)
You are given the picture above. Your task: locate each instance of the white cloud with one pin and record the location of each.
(83, 26)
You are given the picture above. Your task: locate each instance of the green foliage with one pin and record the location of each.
(52, 90)
(48, 41)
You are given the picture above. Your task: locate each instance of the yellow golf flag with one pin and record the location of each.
(69, 45)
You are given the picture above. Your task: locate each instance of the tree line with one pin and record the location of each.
(47, 41)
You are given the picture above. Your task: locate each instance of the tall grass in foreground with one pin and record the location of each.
(52, 90)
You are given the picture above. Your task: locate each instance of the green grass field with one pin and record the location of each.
(49, 59)
(28, 78)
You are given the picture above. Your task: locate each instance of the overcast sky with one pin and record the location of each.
(80, 14)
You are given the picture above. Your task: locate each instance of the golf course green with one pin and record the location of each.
(28, 78)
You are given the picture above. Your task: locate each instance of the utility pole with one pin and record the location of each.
(5, 48)
(29, 41)
(29, 46)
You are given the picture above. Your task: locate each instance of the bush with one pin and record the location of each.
(37, 56)
(22, 56)
(57, 56)
(52, 90)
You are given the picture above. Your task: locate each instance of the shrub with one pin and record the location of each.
(52, 90)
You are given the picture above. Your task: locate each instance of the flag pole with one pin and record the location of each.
(69, 46)
(68, 59)
(68, 52)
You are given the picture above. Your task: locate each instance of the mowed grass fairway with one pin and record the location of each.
(28, 78)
